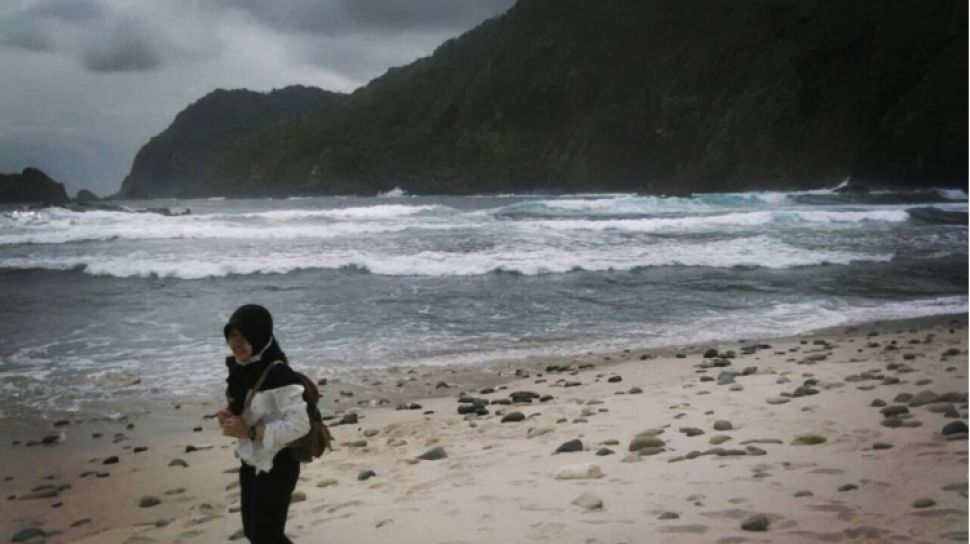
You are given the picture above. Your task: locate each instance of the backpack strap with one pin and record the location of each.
(259, 383)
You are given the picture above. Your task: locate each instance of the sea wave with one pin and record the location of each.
(756, 251)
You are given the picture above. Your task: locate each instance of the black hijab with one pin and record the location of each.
(255, 324)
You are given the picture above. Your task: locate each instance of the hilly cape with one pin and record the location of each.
(651, 96)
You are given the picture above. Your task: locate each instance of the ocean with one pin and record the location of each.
(112, 304)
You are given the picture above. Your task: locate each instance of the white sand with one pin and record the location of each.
(497, 485)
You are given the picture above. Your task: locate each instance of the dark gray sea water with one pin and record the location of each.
(97, 299)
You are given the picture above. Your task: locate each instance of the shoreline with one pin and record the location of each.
(166, 431)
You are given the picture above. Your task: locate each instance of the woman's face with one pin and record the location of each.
(241, 349)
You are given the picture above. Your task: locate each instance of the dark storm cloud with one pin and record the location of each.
(335, 17)
(128, 49)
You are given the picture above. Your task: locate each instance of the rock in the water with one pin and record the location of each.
(954, 427)
(366, 474)
(433, 454)
(723, 425)
(513, 417)
(923, 503)
(149, 501)
(588, 501)
(24, 535)
(579, 472)
(757, 522)
(808, 440)
(571, 446)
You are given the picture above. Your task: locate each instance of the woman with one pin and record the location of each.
(275, 415)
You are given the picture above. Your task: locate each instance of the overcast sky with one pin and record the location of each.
(85, 83)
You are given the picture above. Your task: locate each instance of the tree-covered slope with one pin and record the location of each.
(644, 95)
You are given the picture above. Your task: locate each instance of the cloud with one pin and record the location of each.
(85, 83)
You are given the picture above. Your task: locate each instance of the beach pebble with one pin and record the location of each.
(604, 451)
(954, 427)
(348, 419)
(719, 439)
(24, 535)
(895, 410)
(579, 472)
(923, 503)
(735, 387)
(691, 431)
(631, 458)
(803, 493)
(848, 487)
(877, 403)
(808, 440)
(570, 446)
(366, 474)
(669, 515)
(538, 431)
(237, 535)
(297, 496)
(588, 501)
(357, 444)
(710, 353)
(82, 521)
(635, 391)
(757, 522)
(110, 460)
(371, 432)
(777, 400)
(178, 463)
(723, 425)
(755, 450)
(149, 501)
(923, 397)
(881, 446)
(642, 441)
(433, 454)
(327, 482)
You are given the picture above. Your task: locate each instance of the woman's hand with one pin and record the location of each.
(234, 426)
(223, 415)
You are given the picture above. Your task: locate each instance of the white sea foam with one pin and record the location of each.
(953, 194)
(757, 251)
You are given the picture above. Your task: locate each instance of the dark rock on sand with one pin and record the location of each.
(669, 515)
(723, 425)
(877, 403)
(642, 441)
(570, 446)
(881, 446)
(894, 410)
(923, 397)
(923, 503)
(954, 427)
(348, 419)
(614, 379)
(149, 501)
(178, 463)
(604, 451)
(24, 535)
(848, 487)
(691, 431)
(110, 460)
(710, 353)
(757, 522)
(366, 474)
(513, 417)
(433, 454)
(808, 440)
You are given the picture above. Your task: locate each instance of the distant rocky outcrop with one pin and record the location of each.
(654, 96)
(31, 185)
(180, 160)
(86, 196)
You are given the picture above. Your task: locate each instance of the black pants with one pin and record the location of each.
(265, 499)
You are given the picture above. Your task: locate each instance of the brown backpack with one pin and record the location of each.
(311, 445)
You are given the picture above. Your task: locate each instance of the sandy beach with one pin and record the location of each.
(847, 434)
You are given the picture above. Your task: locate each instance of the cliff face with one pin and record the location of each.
(643, 95)
(180, 160)
(31, 185)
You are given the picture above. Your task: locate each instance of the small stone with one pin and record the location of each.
(570, 446)
(757, 522)
(877, 403)
(803, 493)
(327, 482)
(371, 432)
(604, 451)
(578, 472)
(178, 463)
(366, 474)
(513, 417)
(357, 443)
(954, 427)
(808, 440)
(881, 446)
(149, 501)
(433, 454)
(588, 501)
(29, 533)
(642, 441)
(719, 439)
(723, 425)
(669, 515)
(923, 503)
(777, 400)
(297, 496)
(848, 487)
(614, 379)
(691, 431)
